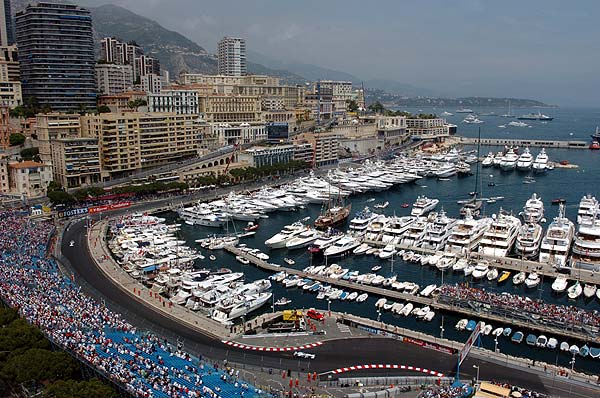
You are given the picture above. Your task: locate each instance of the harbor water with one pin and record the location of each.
(570, 184)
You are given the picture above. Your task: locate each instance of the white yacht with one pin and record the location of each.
(280, 239)
(557, 242)
(303, 239)
(415, 233)
(438, 231)
(498, 159)
(528, 240)
(341, 247)
(509, 161)
(480, 270)
(467, 234)
(423, 205)
(446, 170)
(586, 247)
(560, 284)
(395, 228)
(525, 161)
(541, 162)
(533, 211)
(587, 206)
(532, 280)
(488, 160)
(361, 221)
(203, 214)
(500, 236)
(243, 307)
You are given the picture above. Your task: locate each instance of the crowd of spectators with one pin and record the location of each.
(558, 314)
(455, 390)
(142, 363)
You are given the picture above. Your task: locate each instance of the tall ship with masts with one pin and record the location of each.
(334, 214)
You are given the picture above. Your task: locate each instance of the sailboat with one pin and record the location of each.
(473, 205)
(335, 214)
(508, 114)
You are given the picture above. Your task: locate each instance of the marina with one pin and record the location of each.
(533, 143)
(360, 230)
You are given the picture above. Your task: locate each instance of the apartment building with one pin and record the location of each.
(52, 126)
(423, 128)
(232, 56)
(179, 101)
(267, 156)
(319, 103)
(234, 134)
(120, 102)
(231, 109)
(135, 140)
(114, 79)
(29, 179)
(76, 161)
(56, 53)
(325, 146)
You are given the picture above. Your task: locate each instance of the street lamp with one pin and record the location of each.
(477, 378)
(496, 344)
(329, 307)
(442, 328)
(378, 315)
(572, 362)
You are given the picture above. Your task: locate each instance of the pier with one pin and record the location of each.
(578, 332)
(511, 264)
(532, 143)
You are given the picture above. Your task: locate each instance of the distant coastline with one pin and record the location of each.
(392, 100)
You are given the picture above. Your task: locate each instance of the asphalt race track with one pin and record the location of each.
(331, 355)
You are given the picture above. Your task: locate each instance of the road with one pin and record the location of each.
(329, 356)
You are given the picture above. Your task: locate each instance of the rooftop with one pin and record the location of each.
(26, 165)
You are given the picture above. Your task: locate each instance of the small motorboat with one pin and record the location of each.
(471, 325)
(362, 297)
(251, 227)
(283, 301)
(559, 201)
(541, 341)
(575, 290)
(584, 351)
(242, 260)
(429, 316)
(532, 280)
(589, 290)
(517, 337)
(380, 303)
(497, 332)
(212, 257)
(382, 205)
(376, 268)
(531, 339)
(594, 352)
(574, 349)
(404, 205)
(289, 261)
(504, 276)
(519, 278)
(564, 346)
(552, 343)
(246, 234)
(507, 332)
(462, 324)
(492, 274)
(486, 330)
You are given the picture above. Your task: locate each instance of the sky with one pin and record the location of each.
(547, 50)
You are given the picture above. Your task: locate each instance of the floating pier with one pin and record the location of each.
(578, 332)
(532, 143)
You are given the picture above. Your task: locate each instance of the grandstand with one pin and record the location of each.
(141, 363)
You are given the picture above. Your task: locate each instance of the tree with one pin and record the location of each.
(54, 186)
(377, 107)
(136, 103)
(351, 105)
(103, 109)
(16, 139)
(39, 365)
(7, 315)
(83, 389)
(19, 336)
(60, 198)
(30, 154)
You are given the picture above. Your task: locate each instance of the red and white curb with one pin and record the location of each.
(387, 366)
(270, 349)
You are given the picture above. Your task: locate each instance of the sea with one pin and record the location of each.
(570, 184)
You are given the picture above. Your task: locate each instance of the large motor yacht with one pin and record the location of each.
(423, 205)
(533, 211)
(395, 227)
(557, 242)
(341, 246)
(438, 231)
(586, 248)
(525, 161)
(587, 206)
(361, 221)
(467, 234)
(280, 239)
(528, 240)
(500, 237)
(540, 163)
(415, 233)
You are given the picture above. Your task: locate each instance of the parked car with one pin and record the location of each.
(314, 314)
